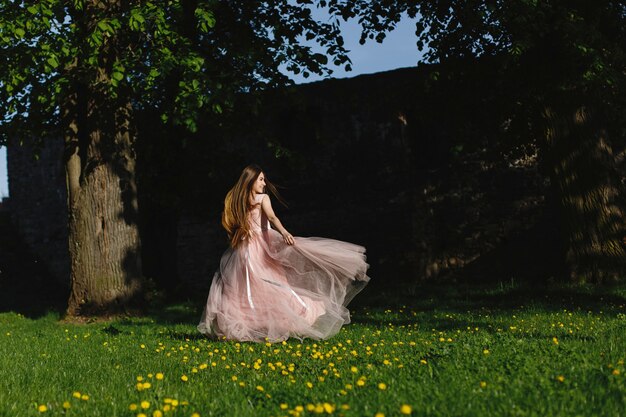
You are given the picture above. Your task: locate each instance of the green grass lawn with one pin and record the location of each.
(440, 352)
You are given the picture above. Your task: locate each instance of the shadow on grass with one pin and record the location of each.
(499, 297)
(431, 302)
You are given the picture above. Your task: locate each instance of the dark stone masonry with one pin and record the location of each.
(383, 160)
(38, 202)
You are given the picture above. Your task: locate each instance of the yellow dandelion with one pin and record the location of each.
(42, 408)
(84, 397)
(555, 340)
(159, 376)
(67, 405)
(486, 352)
(379, 415)
(382, 386)
(167, 407)
(310, 407)
(360, 383)
(132, 407)
(76, 394)
(615, 372)
(354, 369)
(195, 415)
(406, 409)
(145, 405)
(184, 378)
(560, 378)
(174, 403)
(157, 413)
(141, 415)
(260, 388)
(329, 408)
(483, 384)
(319, 409)
(423, 361)
(146, 385)
(284, 406)
(139, 378)
(142, 346)
(309, 385)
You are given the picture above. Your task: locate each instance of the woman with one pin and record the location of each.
(270, 285)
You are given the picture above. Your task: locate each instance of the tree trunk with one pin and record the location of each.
(581, 166)
(104, 242)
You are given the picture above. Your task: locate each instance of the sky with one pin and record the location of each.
(4, 186)
(398, 50)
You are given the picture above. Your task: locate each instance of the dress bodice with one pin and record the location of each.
(256, 217)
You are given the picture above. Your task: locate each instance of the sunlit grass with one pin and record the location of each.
(438, 353)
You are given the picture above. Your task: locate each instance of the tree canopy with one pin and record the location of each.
(176, 56)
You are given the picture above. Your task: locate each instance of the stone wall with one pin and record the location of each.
(386, 161)
(38, 201)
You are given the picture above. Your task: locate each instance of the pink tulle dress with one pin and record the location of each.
(266, 290)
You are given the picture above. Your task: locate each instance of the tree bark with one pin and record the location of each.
(104, 242)
(581, 167)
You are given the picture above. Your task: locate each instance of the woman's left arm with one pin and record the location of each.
(266, 205)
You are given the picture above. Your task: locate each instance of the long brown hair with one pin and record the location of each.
(237, 204)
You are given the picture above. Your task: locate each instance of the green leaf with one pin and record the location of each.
(53, 61)
(107, 26)
(20, 32)
(32, 9)
(206, 19)
(119, 76)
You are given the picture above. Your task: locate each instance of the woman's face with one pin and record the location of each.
(259, 185)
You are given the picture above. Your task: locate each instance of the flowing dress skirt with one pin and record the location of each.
(266, 290)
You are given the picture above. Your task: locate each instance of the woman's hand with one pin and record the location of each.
(288, 238)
